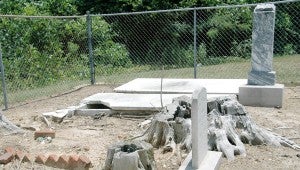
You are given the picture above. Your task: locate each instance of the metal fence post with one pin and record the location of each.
(90, 46)
(195, 43)
(3, 81)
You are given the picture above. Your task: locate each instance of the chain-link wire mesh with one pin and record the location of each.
(145, 44)
(43, 56)
(161, 44)
(49, 55)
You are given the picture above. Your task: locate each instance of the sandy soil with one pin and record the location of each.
(91, 137)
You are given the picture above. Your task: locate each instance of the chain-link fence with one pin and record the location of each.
(212, 42)
(43, 56)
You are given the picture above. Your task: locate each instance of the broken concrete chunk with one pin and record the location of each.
(59, 115)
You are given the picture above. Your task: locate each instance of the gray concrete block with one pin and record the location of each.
(263, 96)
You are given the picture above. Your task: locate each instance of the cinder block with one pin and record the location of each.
(40, 159)
(263, 96)
(6, 158)
(44, 133)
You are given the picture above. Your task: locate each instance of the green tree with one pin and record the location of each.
(39, 51)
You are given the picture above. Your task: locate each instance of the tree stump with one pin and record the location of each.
(229, 128)
(132, 155)
(171, 126)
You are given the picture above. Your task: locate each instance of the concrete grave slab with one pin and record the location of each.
(127, 102)
(181, 86)
(130, 102)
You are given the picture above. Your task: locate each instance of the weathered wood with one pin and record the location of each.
(132, 155)
(223, 136)
(171, 126)
(5, 123)
(230, 126)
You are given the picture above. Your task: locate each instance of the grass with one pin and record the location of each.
(287, 72)
(286, 67)
(23, 96)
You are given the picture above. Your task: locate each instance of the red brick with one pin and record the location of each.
(44, 133)
(27, 158)
(10, 150)
(40, 159)
(19, 155)
(51, 161)
(73, 161)
(63, 162)
(6, 158)
(84, 161)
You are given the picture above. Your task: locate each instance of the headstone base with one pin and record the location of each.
(211, 161)
(261, 78)
(263, 96)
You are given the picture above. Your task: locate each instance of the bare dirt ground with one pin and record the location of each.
(91, 137)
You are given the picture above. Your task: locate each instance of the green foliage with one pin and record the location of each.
(287, 30)
(38, 52)
(242, 49)
(228, 29)
(113, 54)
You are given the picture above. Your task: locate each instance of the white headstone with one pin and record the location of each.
(199, 127)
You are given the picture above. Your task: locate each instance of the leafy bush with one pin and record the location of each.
(113, 54)
(38, 52)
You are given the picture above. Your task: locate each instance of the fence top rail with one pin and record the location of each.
(194, 8)
(42, 16)
(147, 12)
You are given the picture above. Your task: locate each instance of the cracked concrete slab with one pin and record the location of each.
(125, 101)
(130, 102)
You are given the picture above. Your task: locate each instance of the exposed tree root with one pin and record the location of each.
(8, 125)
